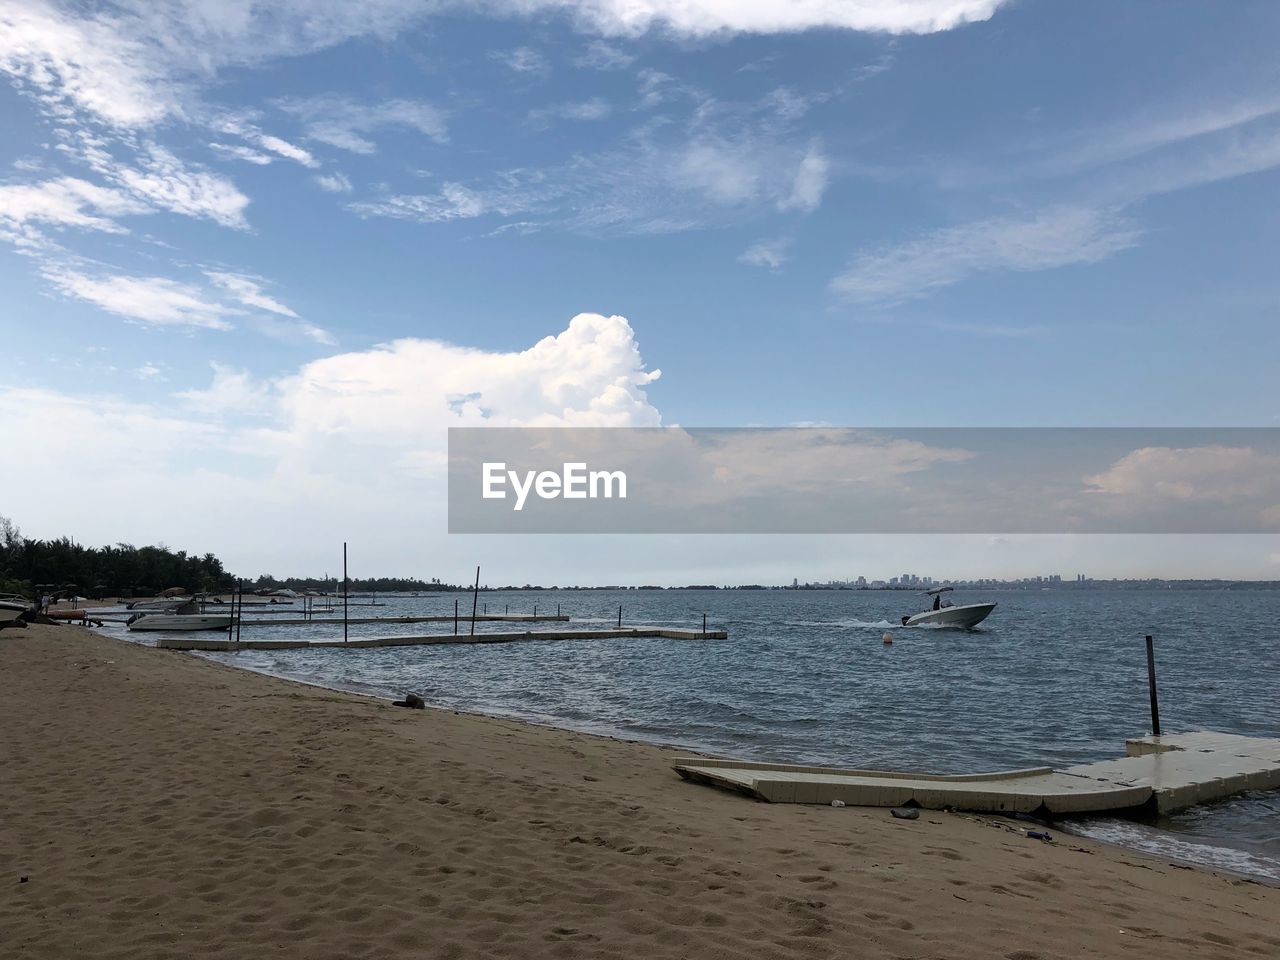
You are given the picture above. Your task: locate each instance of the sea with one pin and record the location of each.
(1054, 677)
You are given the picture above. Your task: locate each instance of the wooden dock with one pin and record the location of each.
(363, 643)
(1162, 774)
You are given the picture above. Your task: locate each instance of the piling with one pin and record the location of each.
(344, 591)
(1151, 684)
(619, 616)
(475, 599)
(455, 616)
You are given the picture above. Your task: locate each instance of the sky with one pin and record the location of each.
(256, 258)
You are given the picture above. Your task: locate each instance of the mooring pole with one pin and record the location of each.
(344, 591)
(557, 609)
(704, 623)
(455, 616)
(535, 609)
(619, 616)
(239, 615)
(475, 599)
(1151, 683)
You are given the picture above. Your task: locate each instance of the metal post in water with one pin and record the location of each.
(1151, 683)
(344, 591)
(619, 616)
(535, 609)
(239, 615)
(557, 609)
(475, 599)
(704, 623)
(455, 616)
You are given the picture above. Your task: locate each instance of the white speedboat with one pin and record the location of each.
(13, 606)
(184, 617)
(159, 603)
(946, 614)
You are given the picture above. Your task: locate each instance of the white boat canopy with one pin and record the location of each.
(932, 590)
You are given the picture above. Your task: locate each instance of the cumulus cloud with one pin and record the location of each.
(1215, 473)
(154, 300)
(1053, 238)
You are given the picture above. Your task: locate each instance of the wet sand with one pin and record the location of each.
(161, 805)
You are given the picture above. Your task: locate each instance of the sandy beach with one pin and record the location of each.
(160, 805)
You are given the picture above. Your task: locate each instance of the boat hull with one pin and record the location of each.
(11, 611)
(964, 617)
(179, 621)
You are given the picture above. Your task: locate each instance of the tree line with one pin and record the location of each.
(63, 566)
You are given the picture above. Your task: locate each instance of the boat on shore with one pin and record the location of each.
(184, 616)
(946, 614)
(13, 606)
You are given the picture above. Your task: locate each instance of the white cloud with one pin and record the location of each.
(248, 290)
(238, 151)
(168, 183)
(604, 56)
(336, 182)
(155, 300)
(310, 445)
(85, 62)
(767, 253)
(522, 60)
(704, 17)
(809, 184)
(66, 201)
(1054, 238)
(594, 109)
(1215, 473)
(232, 391)
(345, 123)
(287, 150)
(148, 371)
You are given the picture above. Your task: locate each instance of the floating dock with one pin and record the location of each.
(479, 618)
(195, 643)
(1160, 773)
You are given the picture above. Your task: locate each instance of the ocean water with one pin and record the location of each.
(1054, 677)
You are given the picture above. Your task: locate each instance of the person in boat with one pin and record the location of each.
(937, 601)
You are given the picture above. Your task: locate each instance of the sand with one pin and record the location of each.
(161, 805)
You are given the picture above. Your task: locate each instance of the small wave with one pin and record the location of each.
(1164, 844)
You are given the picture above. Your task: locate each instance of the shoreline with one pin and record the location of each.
(1062, 825)
(168, 805)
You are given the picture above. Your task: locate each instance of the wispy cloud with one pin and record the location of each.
(248, 292)
(522, 60)
(347, 124)
(1053, 238)
(153, 300)
(231, 391)
(167, 182)
(336, 182)
(604, 56)
(585, 110)
(64, 202)
(771, 254)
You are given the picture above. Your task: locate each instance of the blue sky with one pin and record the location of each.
(919, 212)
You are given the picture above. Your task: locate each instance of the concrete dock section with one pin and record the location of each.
(363, 643)
(1158, 773)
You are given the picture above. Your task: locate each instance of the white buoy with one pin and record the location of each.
(887, 638)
